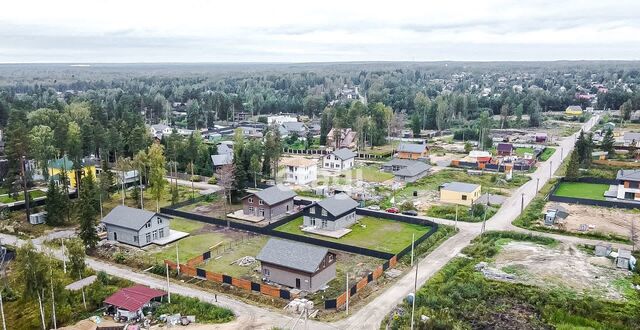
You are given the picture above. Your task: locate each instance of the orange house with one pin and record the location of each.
(412, 151)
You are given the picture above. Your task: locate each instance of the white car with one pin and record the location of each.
(374, 207)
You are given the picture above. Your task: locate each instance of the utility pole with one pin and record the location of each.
(415, 295)
(4, 322)
(522, 204)
(24, 185)
(537, 184)
(177, 259)
(168, 290)
(348, 293)
(456, 223)
(192, 188)
(550, 168)
(413, 240)
(64, 259)
(484, 221)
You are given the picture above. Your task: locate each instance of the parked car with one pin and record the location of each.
(410, 212)
(393, 210)
(374, 207)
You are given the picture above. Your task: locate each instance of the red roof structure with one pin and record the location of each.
(133, 298)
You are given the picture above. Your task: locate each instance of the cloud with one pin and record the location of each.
(290, 31)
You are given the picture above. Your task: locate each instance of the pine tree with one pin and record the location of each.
(55, 205)
(607, 143)
(573, 168)
(89, 210)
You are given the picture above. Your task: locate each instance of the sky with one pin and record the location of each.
(133, 31)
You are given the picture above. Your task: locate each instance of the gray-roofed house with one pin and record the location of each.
(406, 170)
(272, 203)
(412, 151)
(298, 265)
(628, 184)
(295, 127)
(459, 193)
(341, 159)
(135, 226)
(631, 138)
(223, 157)
(333, 213)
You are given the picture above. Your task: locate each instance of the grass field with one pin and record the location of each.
(33, 193)
(372, 233)
(222, 258)
(464, 214)
(547, 153)
(521, 151)
(370, 174)
(582, 190)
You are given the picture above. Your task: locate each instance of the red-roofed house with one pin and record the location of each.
(128, 302)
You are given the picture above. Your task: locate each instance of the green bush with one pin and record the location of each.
(204, 312)
(196, 178)
(213, 180)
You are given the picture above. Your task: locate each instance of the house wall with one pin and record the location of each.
(449, 196)
(412, 155)
(332, 162)
(271, 212)
(301, 175)
(412, 178)
(71, 175)
(332, 223)
(308, 282)
(629, 187)
(128, 236)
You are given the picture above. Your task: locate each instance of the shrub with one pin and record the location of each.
(204, 312)
(213, 180)
(119, 257)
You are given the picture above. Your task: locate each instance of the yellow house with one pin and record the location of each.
(459, 193)
(55, 170)
(573, 110)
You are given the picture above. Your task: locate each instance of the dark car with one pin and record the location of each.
(410, 212)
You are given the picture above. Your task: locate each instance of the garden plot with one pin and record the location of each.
(598, 219)
(559, 267)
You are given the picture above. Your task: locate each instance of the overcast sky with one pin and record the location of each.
(316, 31)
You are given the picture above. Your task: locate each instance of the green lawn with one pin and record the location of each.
(222, 259)
(372, 233)
(464, 213)
(370, 174)
(521, 151)
(191, 246)
(547, 153)
(33, 193)
(582, 190)
(189, 226)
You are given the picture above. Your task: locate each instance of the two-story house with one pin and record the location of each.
(135, 226)
(628, 184)
(341, 159)
(300, 171)
(272, 203)
(158, 130)
(332, 213)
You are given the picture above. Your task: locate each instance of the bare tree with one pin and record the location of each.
(225, 177)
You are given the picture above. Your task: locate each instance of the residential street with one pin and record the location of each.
(371, 315)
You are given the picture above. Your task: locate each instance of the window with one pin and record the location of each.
(326, 165)
(161, 233)
(148, 224)
(464, 197)
(261, 202)
(148, 237)
(312, 210)
(324, 212)
(262, 212)
(159, 220)
(250, 208)
(331, 257)
(250, 200)
(265, 272)
(312, 221)
(135, 238)
(324, 223)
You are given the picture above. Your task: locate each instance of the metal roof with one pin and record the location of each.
(338, 204)
(631, 175)
(129, 217)
(344, 153)
(133, 298)
(224, 159)
(630, 136)
(412, 147)
(460, 186)
(505, 147)
(276, 194)
(413, 169)
(291, 254)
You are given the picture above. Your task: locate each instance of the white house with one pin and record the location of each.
(341, 159)
(300, 170)
(279, 119)
(158, 130)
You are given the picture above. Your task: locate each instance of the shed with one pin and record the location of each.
(128, 302)
(623, 260)
(602, 250)
(38, 218)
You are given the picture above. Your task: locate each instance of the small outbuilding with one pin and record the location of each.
(128, 303)
(505, 149)
(623, 260)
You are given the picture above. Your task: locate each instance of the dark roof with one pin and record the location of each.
(291, 254)
(460, 186)
(413, 169)
(631, 175)
(398, 162)
(276, 194)
(338, 204)
(412, 147)
(344, 153)
(133, 298)
(294, 126)
(129, 217)
(505, 147)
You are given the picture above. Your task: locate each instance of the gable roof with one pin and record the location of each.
(505, 147)
(294, 126)
(298, 162)
(460, 186)
(631, 175)
(412, 147)
(274, 195)
(338, 204)
(291, 254)
(344, 153)
(412, 169)
(224, 159)
(398, 162)
(224, 149)
(129, 217)
(133, 298)
(159, 127)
